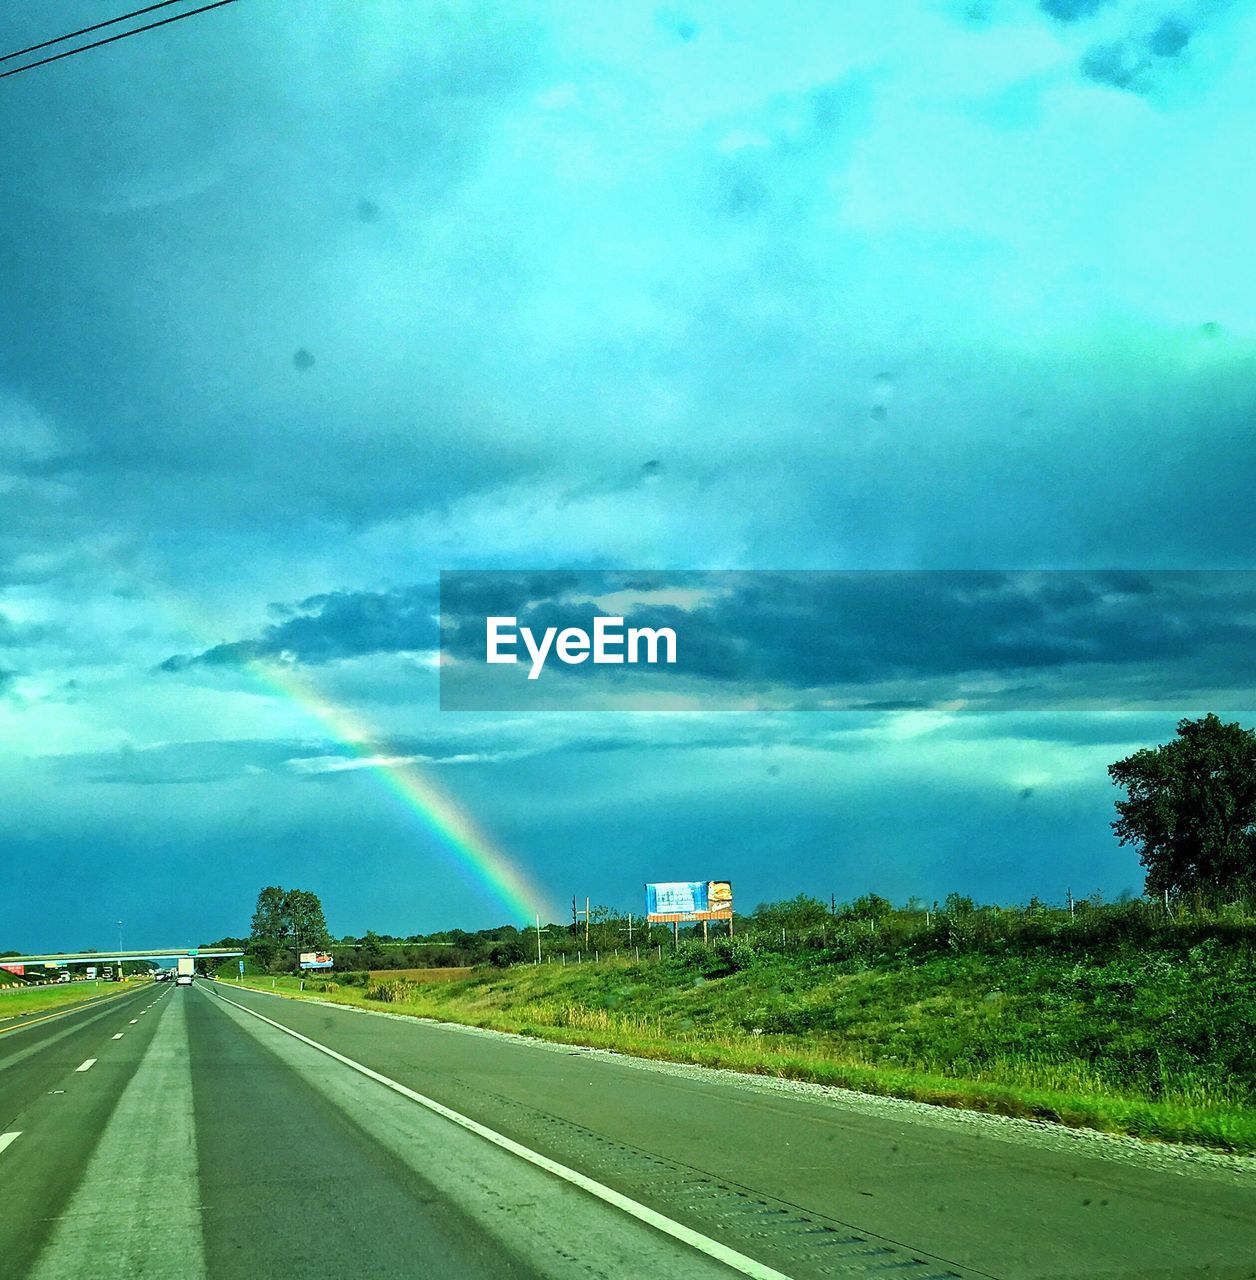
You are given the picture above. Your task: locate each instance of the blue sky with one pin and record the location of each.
(305, 303)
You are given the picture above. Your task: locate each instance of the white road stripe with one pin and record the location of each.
(739, 1262)
(7, 1139)
(133, 1021)
(118, 1036)
(91, 1062)
(145, 1160)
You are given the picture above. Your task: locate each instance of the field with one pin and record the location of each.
(421, 975)
(1111, 1024)
(23, 1000)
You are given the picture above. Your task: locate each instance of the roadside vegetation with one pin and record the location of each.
(1118, 1017)
(41, 999)
(1135, 1017)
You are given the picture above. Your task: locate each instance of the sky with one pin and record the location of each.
(303, 304)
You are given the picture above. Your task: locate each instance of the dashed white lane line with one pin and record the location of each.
(133, 1022)
(7, 1139)
(118, 1036)
(86, 1066)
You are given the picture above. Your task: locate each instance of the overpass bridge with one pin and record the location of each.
(64, 959)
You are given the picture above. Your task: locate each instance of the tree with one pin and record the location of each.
(872, 906)
(270, 922)
(801, 912)
(1191, 809)
(305, 917)
(288, 917)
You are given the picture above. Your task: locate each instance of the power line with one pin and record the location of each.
(82, 31)
(96, 44)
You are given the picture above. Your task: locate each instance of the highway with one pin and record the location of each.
(215, 1132)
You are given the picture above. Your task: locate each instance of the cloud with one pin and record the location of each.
(879, 640)
(876, 641)
(340, 624)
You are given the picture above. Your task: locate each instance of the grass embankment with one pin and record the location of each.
(1150, 1036)
(19, 1000)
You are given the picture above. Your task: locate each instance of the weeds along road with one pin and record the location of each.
(208, 1131)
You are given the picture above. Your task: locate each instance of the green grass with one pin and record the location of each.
(1124, 1040)
(18, 1000)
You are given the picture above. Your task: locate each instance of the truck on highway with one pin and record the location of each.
(184, 968)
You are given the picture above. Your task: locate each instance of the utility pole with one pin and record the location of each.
(539, 931)
(575, 913)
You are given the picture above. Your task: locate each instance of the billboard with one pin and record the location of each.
(18, 969)
(315, 960)
(682, 900)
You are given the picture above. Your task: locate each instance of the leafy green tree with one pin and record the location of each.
(872, 906)
(305, 917)
(288, 917)
(270, 921)
(505, 954)
(801, 912)
(1191, 809)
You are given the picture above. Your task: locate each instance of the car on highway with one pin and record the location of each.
(64, 976)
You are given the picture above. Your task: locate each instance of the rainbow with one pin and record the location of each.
(466, 847)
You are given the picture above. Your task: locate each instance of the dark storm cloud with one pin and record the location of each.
(340, 624)
(907, 638)
(191, 243)
(1014, 639)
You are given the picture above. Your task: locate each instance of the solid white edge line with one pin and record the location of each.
(7, 1139)
(91, 1062)
(678, 1231)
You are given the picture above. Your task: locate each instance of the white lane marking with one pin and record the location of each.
(133, 1022)
(118, 1036)
(91, 1062)
(148, 1144)
(8, 1139)
(739, 1262)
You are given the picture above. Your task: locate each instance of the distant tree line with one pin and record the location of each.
(1190, 808)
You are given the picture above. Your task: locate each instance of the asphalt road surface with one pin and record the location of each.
(212, 1132)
